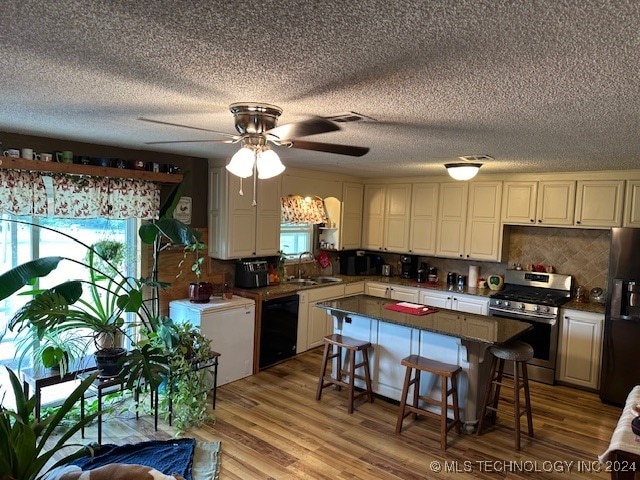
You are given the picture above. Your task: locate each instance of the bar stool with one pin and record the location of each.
(446, 372)
(519, 353)
(352, 345)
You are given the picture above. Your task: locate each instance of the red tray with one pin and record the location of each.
(411, 308)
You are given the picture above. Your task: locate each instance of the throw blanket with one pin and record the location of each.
(623, 438)
(171, 456)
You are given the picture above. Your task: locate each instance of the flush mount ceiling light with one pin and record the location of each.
(468, 168)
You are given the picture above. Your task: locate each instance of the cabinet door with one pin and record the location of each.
(356, 288)
(215, 220)
(452, 217)
(556, 202)
(435, 299)
(241, 235)
(519, 206)
(268, 217)
(424, 215)
(320, 324)
(396, 218)
(351, 221)
(484, 231)
(302, 343)
(373, 217)
(405, 294)
(376, 290)
(470, 304)
(580, 348)
(599, 203)
(632, 204)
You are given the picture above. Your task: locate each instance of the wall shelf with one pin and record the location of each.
(90, 170)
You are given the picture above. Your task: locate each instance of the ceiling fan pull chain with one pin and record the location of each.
(241, 192)
(255, 184)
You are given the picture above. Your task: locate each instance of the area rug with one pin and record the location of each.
(193, 460)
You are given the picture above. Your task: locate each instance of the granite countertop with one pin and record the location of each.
(285, 288)
(585, 307)
(468, 326)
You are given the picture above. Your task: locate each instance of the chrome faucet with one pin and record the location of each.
(300, 262)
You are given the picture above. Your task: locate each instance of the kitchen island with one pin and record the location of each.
(444, 335)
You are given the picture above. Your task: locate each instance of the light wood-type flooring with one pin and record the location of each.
(271, 427)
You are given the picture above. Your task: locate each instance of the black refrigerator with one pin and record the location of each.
(621, 349)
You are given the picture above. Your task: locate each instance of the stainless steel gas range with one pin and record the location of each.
(535, 298)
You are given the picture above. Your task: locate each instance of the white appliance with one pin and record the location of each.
(230, 326)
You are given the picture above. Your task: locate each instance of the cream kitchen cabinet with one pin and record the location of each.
(632, 204)
(455, 301)
(424, 216)
(314, 323)
(396, 292)
(237, 228)
(386, 217)
(469, 220)
(580, 348)
(351, 218)
(539, 203)
(599, 203)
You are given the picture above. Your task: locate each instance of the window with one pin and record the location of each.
(20, 243)
(296, 238)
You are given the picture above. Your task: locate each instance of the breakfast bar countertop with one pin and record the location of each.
(467, 326)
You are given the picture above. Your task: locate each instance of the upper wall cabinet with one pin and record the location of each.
(237, 228)
(351, 217)
(539, 203)
(385, 222)
(632, 204)
(599, 203)
(424, 216)
(469, 220)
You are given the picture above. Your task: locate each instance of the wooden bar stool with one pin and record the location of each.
(446, 372)
(352, 345)
(519, 353)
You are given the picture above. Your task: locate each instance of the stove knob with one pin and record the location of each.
(521, 306)
(497, 302)
(506, 303)
(536, 308)
(544, 309)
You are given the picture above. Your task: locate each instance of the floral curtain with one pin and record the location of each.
(67, 196)
(297, 209)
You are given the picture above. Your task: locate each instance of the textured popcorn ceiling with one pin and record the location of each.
(540, 86)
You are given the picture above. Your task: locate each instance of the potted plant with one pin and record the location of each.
(28, 445)
(199, 292)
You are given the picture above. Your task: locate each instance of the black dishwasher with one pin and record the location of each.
(278, 330)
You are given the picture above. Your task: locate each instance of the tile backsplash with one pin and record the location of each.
(582, 253)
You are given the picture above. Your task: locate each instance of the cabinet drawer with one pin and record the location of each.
(325, 293)
(354, 288)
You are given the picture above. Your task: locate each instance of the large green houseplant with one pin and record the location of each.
(27, 444)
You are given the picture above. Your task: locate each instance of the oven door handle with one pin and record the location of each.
(551, 320)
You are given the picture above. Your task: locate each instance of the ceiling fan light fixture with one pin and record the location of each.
(268, 164)
(241, 164)
(462, 171)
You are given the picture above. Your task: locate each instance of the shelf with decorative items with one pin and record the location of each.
(89, 170)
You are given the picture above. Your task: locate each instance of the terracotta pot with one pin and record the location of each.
(200, 292)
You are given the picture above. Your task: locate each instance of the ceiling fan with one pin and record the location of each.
(257, 126)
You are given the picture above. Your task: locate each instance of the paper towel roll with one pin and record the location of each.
(473, 276)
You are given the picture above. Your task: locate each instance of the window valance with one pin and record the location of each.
(298, 209)
(69, 196)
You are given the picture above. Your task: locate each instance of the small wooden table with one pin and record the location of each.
(39, 377)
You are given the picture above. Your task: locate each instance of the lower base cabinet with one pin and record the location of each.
(314, 323)
(580, 348)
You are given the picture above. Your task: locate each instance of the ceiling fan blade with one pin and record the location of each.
(231, 140)
(329, 148)
(303, 128)
(186, 126)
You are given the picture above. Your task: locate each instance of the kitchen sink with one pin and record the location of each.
(326, 279)
(305, 282)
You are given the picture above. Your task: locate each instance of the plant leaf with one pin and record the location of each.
(22, 275)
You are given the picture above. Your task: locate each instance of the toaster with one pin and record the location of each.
(252, 274)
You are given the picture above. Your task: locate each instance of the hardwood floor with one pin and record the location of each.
(271, 427)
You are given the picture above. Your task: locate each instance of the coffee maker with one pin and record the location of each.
(408, 266)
